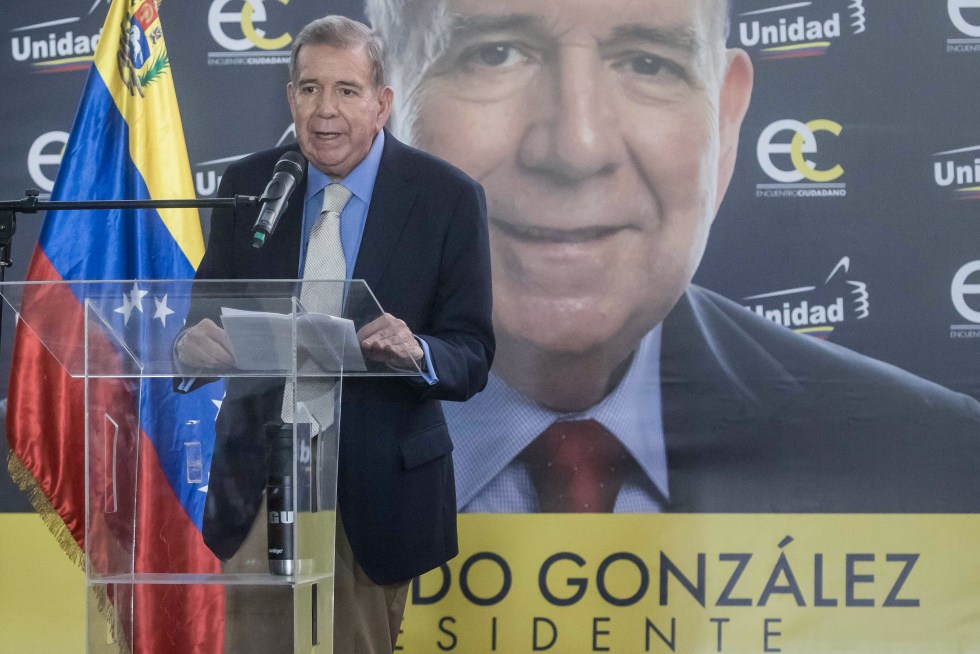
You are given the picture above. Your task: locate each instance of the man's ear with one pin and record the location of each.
(733, 103)
(385, 98)
(290, 98)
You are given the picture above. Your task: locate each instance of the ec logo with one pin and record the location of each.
(253, 11)
(960, 290)
(955, 9)
(41, 155)
(804, 142)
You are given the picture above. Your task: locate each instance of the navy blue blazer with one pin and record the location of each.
(425, 255)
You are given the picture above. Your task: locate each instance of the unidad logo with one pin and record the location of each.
(782, 151)
(966, 284)
(55, 46)
(959, 171)
(234, 26)
(44, 159)
(799, 29)
(818, 309)
(207, 174)
(965, 17)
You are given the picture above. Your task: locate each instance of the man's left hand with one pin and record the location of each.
(388, 340)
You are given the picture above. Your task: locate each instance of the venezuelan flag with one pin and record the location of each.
(126, 143)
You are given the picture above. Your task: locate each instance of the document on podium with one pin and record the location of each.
(263, 340)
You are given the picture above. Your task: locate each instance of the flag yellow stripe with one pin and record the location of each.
(159, 153)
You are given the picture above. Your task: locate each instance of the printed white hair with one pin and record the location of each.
(416, 33)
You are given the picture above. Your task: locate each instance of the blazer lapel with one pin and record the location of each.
(289, 233)
(718, 386)
(391, 203)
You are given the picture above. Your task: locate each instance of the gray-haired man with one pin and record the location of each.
(605, 134)
(414, 229)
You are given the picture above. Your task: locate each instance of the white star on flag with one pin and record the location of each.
(136, 297)
(126, 309)
(162, 310)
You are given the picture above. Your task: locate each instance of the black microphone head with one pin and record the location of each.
(286, 176)
(292, 163)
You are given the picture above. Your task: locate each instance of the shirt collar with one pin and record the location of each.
(360, 181)
(632, 412)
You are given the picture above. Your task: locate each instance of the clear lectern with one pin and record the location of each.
(150, 411)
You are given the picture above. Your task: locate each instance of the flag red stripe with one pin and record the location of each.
(46, 430)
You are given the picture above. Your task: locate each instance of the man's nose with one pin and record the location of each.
(327, 106)
(573, 131)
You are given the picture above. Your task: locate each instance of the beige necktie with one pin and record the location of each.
(324, 261)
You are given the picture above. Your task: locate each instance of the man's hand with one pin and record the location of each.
(389, 340)
(205, 346)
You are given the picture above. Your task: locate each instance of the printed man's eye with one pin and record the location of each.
(649, 67)
(495, 55)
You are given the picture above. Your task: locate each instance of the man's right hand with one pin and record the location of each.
(205, 346)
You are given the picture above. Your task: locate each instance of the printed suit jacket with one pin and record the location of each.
(759, 419)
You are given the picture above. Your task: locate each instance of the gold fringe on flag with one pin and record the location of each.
(35, 495)
(39, 501)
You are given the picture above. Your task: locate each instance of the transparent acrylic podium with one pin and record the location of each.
(151, 394)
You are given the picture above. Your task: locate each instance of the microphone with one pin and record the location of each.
(286, 176)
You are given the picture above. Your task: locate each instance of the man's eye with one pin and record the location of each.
(307, 90)
(494, 55)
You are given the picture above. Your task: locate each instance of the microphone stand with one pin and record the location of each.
(30, 204)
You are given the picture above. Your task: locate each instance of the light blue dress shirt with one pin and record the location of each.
(360, 182)
(491, 429)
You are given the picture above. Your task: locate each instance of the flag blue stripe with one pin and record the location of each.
(131, 244)
(98, 245)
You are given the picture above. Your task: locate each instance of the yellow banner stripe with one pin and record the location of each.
(813, 330)
(799, 46)
(61, 62)
(703, 583)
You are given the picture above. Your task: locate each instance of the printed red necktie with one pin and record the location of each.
(577, 466)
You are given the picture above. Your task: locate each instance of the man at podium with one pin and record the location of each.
(414, 229)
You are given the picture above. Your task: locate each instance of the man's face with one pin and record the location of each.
(604, 140)
(336, 108)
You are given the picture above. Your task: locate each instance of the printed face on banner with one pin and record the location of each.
(604, 135)
(336, 109)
